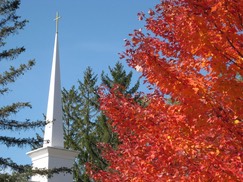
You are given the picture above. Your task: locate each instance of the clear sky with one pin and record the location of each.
(91, 33)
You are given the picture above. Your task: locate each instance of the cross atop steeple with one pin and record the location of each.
(57, 19)
(54, 128)
(53, 154)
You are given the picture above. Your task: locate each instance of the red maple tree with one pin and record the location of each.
(191, 52)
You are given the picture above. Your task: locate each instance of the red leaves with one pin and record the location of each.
(151, 12)
(141, 16)
(195, 57)
(216, 6)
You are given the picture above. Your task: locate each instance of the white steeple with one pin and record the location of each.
(52, 154)
(54, 129)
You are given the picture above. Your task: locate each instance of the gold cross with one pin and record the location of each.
(56, 19)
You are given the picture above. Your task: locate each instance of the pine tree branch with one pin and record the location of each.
(11, 53)
(6, 111)
(27, 169)
(18, 125)
(3, 91)
(11, 75)
(9, 6)
(7, 162)
(12, 141)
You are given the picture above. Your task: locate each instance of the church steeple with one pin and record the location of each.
(54, 129)
(52, 154)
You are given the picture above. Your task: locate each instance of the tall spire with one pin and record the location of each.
(52, 154)
(54, 129)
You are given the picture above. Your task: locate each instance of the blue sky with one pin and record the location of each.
(91, 33)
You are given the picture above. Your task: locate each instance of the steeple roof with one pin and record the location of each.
(54, 129)
(52, 154)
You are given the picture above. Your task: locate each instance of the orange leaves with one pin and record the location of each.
(135, 40)
(195, 58)
(215, 7)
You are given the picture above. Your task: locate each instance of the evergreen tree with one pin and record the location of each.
(121, 78)
(10, 24)
(85, 125)
(80, 114)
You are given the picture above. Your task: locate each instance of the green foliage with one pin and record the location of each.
(10, 24)
(121, 78)
(85, 125)
(26, 172)
(80, 112)
(5, 177)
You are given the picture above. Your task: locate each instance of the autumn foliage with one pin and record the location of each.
(190, 128)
